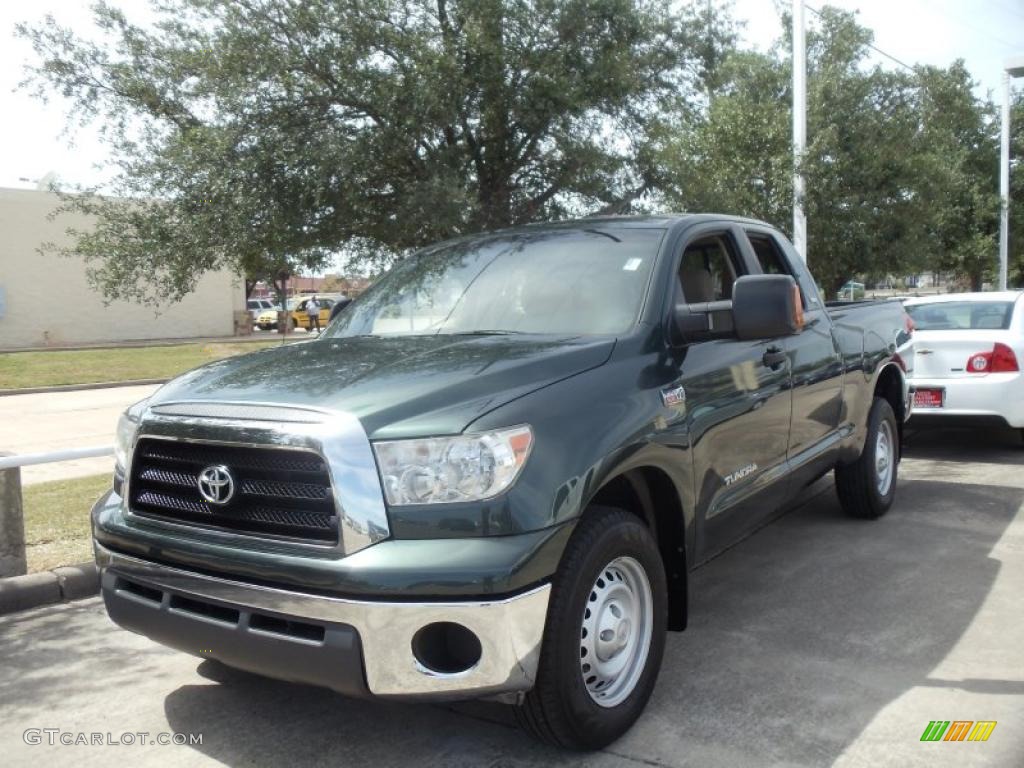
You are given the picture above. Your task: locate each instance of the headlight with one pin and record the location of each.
(125, 435)
(436, 470)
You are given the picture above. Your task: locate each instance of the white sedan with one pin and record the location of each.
(968, 351)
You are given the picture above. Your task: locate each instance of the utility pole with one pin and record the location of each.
(1013, 68)
(799, 128)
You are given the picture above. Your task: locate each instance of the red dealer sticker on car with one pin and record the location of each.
(928, 398)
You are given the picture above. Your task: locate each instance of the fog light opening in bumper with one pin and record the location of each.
(446, 648)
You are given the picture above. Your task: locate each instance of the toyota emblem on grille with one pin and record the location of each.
(216, 484)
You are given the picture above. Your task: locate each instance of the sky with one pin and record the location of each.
(33, 141)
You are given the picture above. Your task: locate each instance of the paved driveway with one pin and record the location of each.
(54, 420)
(817, 641)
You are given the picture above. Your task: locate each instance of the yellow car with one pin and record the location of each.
(301, 319)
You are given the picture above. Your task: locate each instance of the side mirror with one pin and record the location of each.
(766, 306)
(762, 307)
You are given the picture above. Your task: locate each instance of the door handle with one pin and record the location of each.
(773, 357)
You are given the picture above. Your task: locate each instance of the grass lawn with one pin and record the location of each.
(21, 370)
(57, 520)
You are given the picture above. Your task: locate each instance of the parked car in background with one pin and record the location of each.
(493, 474)
(339, 305)
(257, 306)
(326, 303)
(851, 291)
(266, 320)
(968, 353)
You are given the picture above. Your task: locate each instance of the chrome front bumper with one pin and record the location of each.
(509, 630)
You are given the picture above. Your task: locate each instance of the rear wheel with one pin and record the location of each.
(867, 486)
(604, 637)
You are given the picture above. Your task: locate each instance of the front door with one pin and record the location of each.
(738, 405)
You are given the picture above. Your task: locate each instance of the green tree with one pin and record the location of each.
(267, 135)
(958, 160)
(1016, 276)
(894, 183)
(737, 157)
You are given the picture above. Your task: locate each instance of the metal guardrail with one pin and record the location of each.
(12, 516)
(51, 457)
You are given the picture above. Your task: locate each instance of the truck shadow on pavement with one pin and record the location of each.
(799, 636)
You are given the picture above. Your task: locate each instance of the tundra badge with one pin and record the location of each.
(739, 474)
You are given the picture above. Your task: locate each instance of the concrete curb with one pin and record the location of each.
(68, 582)
(78, 387)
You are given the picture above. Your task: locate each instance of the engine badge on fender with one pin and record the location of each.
(673, 396)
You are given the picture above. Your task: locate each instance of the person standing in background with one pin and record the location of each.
(313, 313)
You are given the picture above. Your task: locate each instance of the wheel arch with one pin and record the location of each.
(649, 493)
(890, 384)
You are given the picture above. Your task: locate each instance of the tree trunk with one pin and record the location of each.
(283, 316)
(837, 282)
(494, 191)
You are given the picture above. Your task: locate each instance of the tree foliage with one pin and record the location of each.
(267, 135)
(899, 165)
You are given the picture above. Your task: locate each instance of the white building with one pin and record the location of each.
(45, 300)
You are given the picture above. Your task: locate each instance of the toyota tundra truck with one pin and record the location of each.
(494, 472)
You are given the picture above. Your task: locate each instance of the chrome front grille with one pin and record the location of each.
(277, 492)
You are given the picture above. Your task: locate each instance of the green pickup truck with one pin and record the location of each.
(493, 473)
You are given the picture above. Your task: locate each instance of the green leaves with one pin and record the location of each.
(899, 165)
(269, 134)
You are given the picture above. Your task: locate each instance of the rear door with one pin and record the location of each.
(737, 404)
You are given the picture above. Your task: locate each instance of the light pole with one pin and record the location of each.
(1013, 68)
(799, 128)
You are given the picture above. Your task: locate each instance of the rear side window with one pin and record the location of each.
(768, 255)
(708, 270)
(962, 315)
(771, 260)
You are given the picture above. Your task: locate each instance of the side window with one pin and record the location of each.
(771, 260)
(767, 256)
(708, 269)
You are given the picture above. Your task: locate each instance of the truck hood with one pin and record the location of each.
(407, 386)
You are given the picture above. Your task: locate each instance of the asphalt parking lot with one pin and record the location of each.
(817, 641)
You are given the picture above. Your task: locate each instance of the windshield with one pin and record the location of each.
(961, 315)
(586, 281)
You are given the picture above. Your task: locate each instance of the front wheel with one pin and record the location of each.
(867, 487)
(605, 634)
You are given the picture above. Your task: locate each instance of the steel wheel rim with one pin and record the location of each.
(885, 458)
(616, 631)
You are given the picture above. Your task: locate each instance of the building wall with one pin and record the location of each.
(46, 300)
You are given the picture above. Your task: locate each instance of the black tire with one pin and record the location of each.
(560, 710)
(857, 483)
